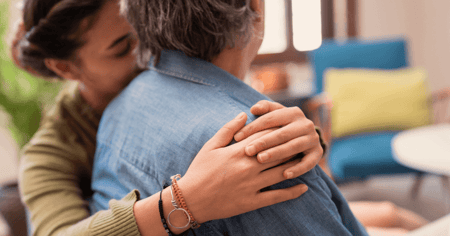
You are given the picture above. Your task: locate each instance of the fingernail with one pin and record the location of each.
(263, 157)
(239, 136)
(250, 150)
(306, 187)
(289, 175)
(257, 106)
(240, 116)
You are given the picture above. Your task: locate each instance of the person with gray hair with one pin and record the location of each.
(199, 54)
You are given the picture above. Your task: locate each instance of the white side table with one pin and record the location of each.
(425, 148)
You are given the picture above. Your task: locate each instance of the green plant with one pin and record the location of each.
(22, 95)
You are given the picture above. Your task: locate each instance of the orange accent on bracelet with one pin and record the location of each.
(180, 199)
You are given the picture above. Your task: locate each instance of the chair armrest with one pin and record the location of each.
(440, 102)
(319, 109)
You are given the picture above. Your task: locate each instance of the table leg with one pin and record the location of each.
(417, 184)
(446, 189)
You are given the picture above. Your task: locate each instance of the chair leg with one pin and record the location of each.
(446, 182)
(12, 210)
(416, 187)
(446, 190)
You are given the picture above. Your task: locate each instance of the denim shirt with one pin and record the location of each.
(156, 126)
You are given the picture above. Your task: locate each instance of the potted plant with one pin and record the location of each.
(22, 95)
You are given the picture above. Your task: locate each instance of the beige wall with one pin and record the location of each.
(426, 25)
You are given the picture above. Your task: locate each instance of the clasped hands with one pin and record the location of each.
(295, 134)
(225, 181)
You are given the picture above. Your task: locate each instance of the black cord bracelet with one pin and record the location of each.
(161, 212)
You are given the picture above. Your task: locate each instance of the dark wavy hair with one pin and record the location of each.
(199, 28)
(53, 30)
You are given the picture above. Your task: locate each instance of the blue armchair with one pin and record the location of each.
(366, 154)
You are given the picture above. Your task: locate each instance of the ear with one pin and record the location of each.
(63, 69)
(257, 6)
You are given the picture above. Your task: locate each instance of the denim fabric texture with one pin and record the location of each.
(156, 126)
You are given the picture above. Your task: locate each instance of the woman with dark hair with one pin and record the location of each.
(89, 42)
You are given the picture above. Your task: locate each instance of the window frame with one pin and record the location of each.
(291, 54)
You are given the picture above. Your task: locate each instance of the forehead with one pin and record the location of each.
(108, 25)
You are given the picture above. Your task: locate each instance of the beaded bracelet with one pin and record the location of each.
(179, 196)
(161, 212)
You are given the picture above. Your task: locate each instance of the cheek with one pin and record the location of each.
(98, 68)
(123, 71)
(127, 65)
(110, 74)
(112, 68)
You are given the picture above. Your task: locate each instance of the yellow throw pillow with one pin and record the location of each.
(367, 100)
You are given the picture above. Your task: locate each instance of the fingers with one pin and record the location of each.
(256, 136)
(262, 107)
(274, 175)
(224, 136)
(307, 163)
(271, 197)
(288, 140)
(273, 119)
(282, 143)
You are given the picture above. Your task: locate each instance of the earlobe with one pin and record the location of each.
(258, 7)
(62, 68)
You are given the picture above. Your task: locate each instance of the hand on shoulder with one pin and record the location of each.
(296, 134)
(223, 181)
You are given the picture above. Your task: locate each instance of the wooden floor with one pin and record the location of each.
(432, 201)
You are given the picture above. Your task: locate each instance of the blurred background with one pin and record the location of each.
(377, 79)
(366, 71)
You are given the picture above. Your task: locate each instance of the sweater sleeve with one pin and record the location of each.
(50, 180)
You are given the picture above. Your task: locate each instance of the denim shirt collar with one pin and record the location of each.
(177, 64)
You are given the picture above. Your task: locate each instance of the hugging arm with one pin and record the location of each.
(221, 182)
(51, 180)
(53, 172)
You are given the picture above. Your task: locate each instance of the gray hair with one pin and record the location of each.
(199, 28)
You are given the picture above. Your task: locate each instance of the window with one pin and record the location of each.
(275, 38)
(306, 24)
(282, 40)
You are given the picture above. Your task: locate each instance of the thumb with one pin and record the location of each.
(224, 136)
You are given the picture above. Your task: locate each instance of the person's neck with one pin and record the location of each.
(234, 60)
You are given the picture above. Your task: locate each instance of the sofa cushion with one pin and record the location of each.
(364, 155)
(366, 100)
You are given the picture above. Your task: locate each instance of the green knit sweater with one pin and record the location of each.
(55, 175)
